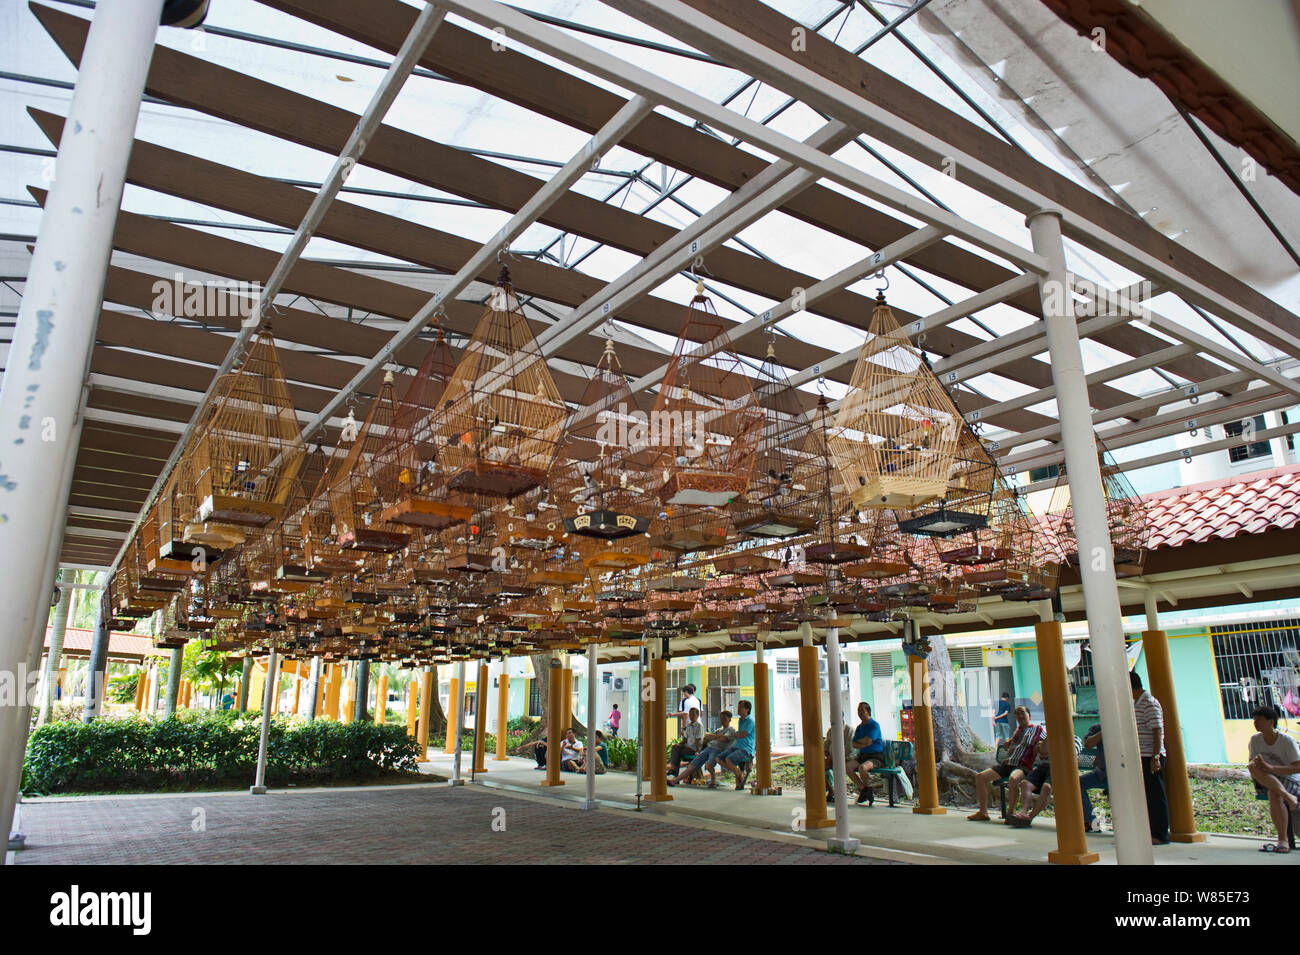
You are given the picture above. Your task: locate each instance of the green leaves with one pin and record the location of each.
(194, 750)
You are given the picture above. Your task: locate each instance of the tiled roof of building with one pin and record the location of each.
(77, 643)
(1221, 510)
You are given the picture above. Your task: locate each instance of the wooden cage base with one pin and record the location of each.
(430, 515)
(898, 493)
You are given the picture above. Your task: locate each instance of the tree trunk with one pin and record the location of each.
(437, 718)
(542, 671)
(952, 732)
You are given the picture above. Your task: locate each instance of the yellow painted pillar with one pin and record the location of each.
(503, 711)
(426, 711)
(349, 691)
(568, 696)
(297, 691)
(927, 773)
(453, 715)
(381, 702)
(480, 718)
(1067, 801)
(554, 723)
(762, 729)
(412, 706)
(1160, 676)
(658, 735)
(814, 745)
(141, 679)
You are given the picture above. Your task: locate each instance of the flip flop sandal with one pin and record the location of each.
(1274, 847)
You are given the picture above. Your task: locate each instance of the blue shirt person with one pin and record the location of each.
(870, 753)
(740, 757)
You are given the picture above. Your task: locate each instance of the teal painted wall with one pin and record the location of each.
(1199, 708)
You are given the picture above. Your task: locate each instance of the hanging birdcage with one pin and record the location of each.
(1126, 517)
(408, 469)
(786, 489)
(964, 507)
(706, 424)
(354, 499)
(897, 427)
(501, 415)
(249, 447)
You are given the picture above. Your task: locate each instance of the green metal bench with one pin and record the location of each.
(897, 752)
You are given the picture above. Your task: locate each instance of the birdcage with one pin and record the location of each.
(249, 448)
(790, 476)
(1126, 517)
(897, 427)
(354, 499)
(706, 424)
(501, 415)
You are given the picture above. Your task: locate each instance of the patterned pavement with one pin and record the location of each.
(406, 825)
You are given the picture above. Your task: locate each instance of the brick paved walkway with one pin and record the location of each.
(412, 824)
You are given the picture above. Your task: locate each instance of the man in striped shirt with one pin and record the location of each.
(1151, 746)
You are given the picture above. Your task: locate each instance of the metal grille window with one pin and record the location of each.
(1257, 664)
(787, 666)
(882, 664)
(1081, 673)
(785, 735)
(724, 676)
(534, 697)
(967, 656)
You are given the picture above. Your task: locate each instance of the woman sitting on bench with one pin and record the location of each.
(1275, 767)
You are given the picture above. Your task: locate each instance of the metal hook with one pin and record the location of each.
(881, 275)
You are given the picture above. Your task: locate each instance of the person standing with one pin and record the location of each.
(1151, 746)
(615, 717)
(1002, 720)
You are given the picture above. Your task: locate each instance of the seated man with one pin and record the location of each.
(538, 747)
(1038, 779)
(869, 755)
(689, 746)
(740, 756)
(570, 752)
(602, 756)
(715, 743)
(1018, 759)
(1094, 778)
(1275, 766)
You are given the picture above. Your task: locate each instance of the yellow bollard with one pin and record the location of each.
(453, 715)
(480, 719)
(1160, 676)
(657, 737)
(1067, 801)
(927, 773)
(554, 715)
(503, 707)
(381, 703)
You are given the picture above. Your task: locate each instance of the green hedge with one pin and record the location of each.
(194, 750)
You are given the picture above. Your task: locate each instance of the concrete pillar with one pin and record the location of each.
(503, 711)
(173, 680)
(245, 679)
(459, 728)
(480, 718)
(592, 757)
(381, 699)
(54, 656)
(1071, 841)
(1160, 676)
(814, 750)
(1096, 553)
(97, 666)
(313, 689)
(843, 841)
(762, 726)
(554, 722)
(361, 696)
(268, 703)
(657, 737)
(927, 773)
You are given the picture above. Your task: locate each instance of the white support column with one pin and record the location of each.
(1096, 553)
(590, 801)
(268, 701)
(459, 728)
(841, 841)
(55, 331)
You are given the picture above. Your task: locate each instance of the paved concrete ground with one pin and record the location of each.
(885, 833)
(431, 823)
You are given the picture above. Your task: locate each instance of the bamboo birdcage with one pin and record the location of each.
(601, 479)
(354, 498)
(707, 423)
(1126, 517)
(789, 479)
(898, 427)
(249, 449)
(501, 415)
(408, 473)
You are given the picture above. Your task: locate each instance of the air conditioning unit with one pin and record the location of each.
(620, 683)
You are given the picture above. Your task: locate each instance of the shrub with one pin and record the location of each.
(195, 749)
(622, 752)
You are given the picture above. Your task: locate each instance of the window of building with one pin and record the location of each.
(1257, 663)
(787, 666)
(534, 697)
(1045, 473)
(1255, 449)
